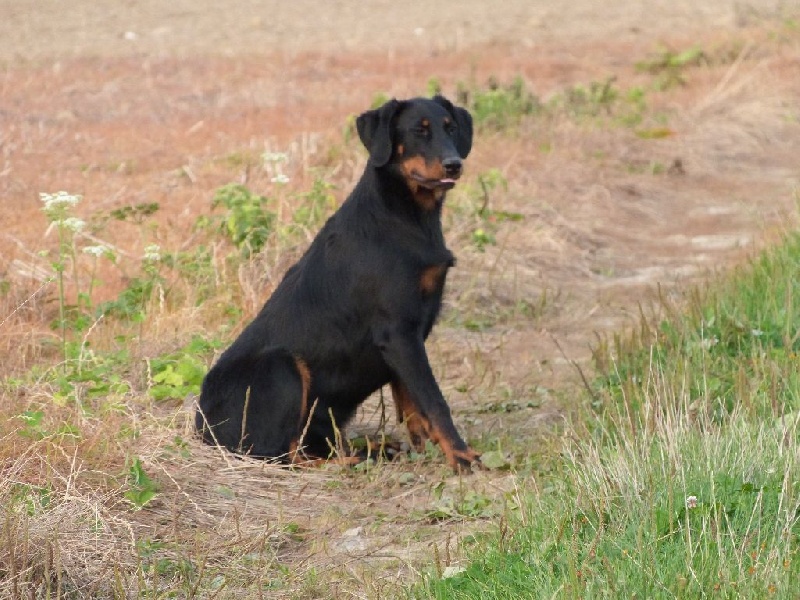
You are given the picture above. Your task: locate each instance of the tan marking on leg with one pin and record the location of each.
(459, 460)
(421, 428)
(305, 378)
(294, 456)
(417, 425)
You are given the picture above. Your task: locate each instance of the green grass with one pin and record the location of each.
(681, 477)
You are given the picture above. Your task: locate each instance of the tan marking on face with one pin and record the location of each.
(400, 150)
(414, 164)
(425, 197)
(417, 164)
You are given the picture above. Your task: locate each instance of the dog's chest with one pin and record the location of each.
(432, 269)
(431, 280)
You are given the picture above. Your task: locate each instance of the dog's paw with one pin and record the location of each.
(464, 461)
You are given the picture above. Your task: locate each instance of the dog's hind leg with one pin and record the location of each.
(255, 405)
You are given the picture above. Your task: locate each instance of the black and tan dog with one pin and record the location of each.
(354, 312)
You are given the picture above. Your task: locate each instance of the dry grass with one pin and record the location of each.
(600, 226)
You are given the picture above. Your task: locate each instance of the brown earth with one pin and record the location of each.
(150, 101)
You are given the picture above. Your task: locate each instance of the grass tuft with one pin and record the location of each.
(682, 479)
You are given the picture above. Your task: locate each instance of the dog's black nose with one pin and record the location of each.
(452, 167)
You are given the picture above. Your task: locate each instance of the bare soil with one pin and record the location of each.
(151, 101)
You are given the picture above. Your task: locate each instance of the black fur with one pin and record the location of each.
(353, 313)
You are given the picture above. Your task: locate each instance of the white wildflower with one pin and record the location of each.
(691, 502)
(274, 157)
(59, 200)
(73, 224)
(97, 251)
(152, 253)
(280, 178)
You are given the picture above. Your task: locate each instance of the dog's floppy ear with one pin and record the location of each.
(375, 130)
(464, 122)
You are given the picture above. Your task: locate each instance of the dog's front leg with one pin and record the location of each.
(419, 400)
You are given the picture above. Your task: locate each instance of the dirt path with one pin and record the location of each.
(131, 102)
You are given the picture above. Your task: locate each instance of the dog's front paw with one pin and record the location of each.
(463, 461)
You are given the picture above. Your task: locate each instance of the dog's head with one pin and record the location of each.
(424, 140)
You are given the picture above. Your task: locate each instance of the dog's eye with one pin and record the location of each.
(450, 128)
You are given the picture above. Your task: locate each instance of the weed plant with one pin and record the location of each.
(498, 106)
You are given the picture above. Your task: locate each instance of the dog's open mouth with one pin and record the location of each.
(445, 183)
